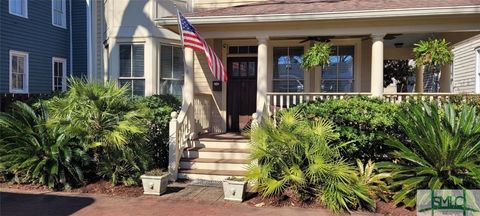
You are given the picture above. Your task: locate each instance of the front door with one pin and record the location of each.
(241, 91)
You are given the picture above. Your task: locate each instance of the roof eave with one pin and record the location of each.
(366, 14)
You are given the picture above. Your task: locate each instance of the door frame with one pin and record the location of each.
(227, 112)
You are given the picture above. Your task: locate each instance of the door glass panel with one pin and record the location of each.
(252, 68)
(235, 69)
(243, 69)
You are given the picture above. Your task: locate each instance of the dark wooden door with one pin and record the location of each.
(241, 91)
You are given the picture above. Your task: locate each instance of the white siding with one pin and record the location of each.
(464, 65)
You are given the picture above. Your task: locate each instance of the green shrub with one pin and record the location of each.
(107, 122)
(36, 153)
(441, 152)
(160, 107)
(358, 119)
(296, 154)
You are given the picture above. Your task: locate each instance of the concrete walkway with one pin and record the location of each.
(190, 201)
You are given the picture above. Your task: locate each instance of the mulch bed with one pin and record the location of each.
(290, 199)
(100, 187)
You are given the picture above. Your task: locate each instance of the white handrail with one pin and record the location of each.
(181, 134)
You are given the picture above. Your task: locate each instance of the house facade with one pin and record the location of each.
(41, 44)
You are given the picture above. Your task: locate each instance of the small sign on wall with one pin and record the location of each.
(217, 85)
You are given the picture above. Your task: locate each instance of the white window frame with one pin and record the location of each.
(64, 15)
(25, 8)
(160, 78)
(64, 74)
(131, 77)
(477, 71)
(26, 68)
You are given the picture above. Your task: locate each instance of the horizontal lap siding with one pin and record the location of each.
(464, 65)
(38, 37)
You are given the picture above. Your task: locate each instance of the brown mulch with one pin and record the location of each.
(290, 199)
(100, 187)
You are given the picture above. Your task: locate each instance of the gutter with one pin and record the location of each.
(387, 13)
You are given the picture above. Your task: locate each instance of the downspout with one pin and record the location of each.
(89, 40)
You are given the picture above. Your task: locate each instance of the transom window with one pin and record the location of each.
(338, 75)
(18, 72)
(171, 70)
(132, 68)
(59, 16)
(288, 76)
(59, 74)
(18, 7)
(242, 50)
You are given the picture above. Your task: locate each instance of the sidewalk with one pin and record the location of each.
(14, 202)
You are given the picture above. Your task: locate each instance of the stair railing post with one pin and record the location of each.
(173, 146)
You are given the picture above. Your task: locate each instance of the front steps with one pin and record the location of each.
(215, 157)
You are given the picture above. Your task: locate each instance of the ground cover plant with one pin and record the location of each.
(441, 151)
(297, 155)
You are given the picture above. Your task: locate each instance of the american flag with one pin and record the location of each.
(192, 39)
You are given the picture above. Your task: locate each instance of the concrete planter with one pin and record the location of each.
(154, 185)
(234, 190)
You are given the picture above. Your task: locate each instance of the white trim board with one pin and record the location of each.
(477, 72)
(26, 70)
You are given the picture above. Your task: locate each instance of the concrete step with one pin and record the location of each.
(217, 143)
(217, 175)
(214, 164)
(217, 153)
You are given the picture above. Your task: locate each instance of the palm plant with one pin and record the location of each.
(318, 55)
(36, 153)
(295, 154)
(442, 152)
(374, 180)
(105, 119)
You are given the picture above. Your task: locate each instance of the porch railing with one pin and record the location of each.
(279, 100)
(181, 135)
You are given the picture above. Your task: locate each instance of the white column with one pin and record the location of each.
(188, 90)
(262, 75)
(150, 66)
(445, 78)
(377, 65)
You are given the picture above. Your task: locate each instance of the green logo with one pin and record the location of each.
(457, 202)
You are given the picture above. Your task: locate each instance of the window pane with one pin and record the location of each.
(330, 71)
(243, 69)
(19, 81)
(233, 49)
(139, 87)
(125, 60)
(17, 6)
(329, 85)
(243, 49)
(173, 87)
(345, 65)
(280, 86)
(235, 69)
(14, 64)
(138, 61)
(166, 62)
(178, 71)
(296, 71)
(21, 65)
(281, 62)
(252, 69)
(345, 86)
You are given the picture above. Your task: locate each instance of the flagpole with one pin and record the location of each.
(180, 31)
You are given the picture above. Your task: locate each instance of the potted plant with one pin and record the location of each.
(155, 182)
(317, 55)
(234, 188)
(432, 53)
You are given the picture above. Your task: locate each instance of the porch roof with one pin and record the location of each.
(309, 10)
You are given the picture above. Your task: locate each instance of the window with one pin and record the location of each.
(18, 72)
(338, 75)
(59, 74)
(18, 7)
(59, 16)
(132, 68)
(288, 76)
(171, 70)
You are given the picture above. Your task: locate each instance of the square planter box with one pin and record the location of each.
(234, 190)
(154, 185)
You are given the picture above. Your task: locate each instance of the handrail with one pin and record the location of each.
(181, 134)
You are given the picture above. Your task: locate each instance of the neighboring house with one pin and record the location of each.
(42, 42)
